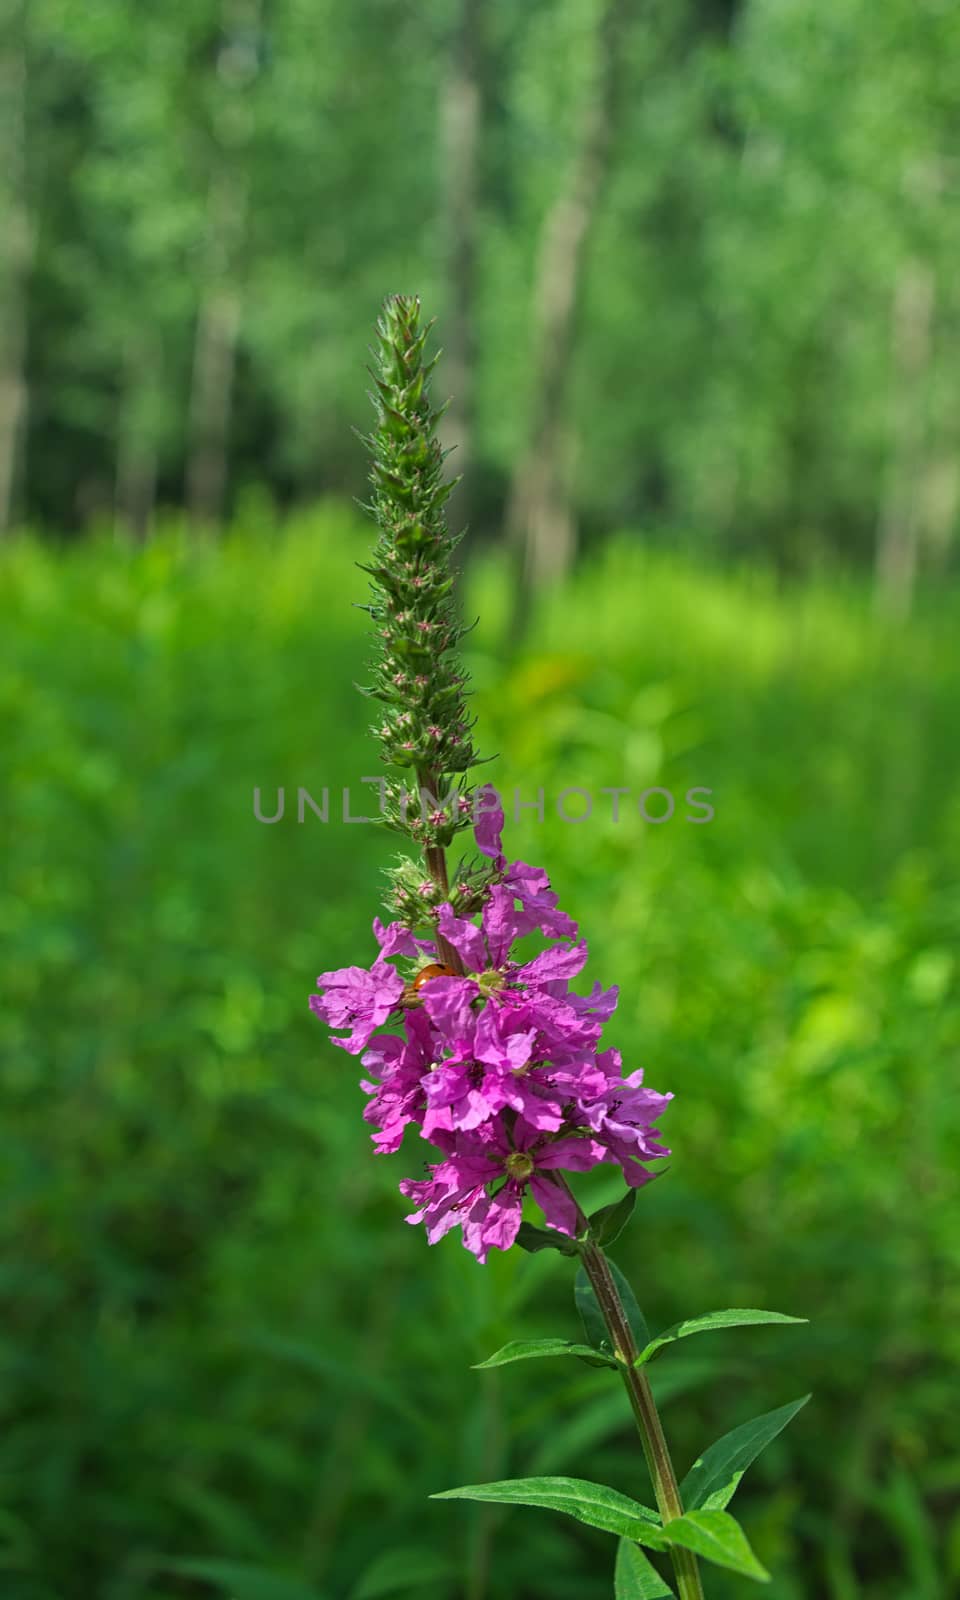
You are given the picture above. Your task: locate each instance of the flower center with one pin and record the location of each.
(489, 982)
(519, 1165)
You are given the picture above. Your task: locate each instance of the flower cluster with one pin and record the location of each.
(499, 1067)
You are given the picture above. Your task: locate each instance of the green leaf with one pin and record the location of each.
(712, 1480)
(709, 1321)
(634, 1578)
(591, 1503)
(405, 1568)
(533, 1239)
(717, 1537)
(608, 1223)
(586, 1302)
(242, 1582)
(526, 1349)
(590, 1315)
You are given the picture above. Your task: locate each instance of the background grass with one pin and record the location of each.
(220, 1342)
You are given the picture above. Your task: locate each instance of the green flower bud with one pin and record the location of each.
(423, 727)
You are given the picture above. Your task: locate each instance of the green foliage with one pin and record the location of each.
(241, 1582)
(710, 1321)
(534, 1239)
(592, 1503)
(712, 1534)
(526, 1349)
(748, 371)
(409, 1567)
(607, 1224)
(219, 1340)
(634, 1576)
(592, 1318)
(716, 1537)
(715, 1476)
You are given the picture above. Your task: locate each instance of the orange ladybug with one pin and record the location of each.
(433, 971)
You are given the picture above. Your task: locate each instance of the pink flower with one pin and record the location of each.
(529, 885)
(460, 1189)
(358, 999)
(502, 1069)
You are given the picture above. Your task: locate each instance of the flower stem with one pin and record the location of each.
(435, 858)
(641, 1399)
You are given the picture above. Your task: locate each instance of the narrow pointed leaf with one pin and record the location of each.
(593, 1324)
(708, 1322)
(717, 1537)
(405, 1567)
(592, 1503)
(713, 1479)
(533, 1239)
(239, 1581)
(608, 1223)
(634, 1578)
(526, 1349)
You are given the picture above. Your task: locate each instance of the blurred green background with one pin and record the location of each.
(694, 267)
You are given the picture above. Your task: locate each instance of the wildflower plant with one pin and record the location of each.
(488, 1053)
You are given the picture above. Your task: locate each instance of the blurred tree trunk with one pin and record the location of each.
(136, 468)
(15, 252)
(219, 315)
(898, 533)
(136, 487)
(461, 103)
(214, 364)
(540, 524)
(941, 501)
(901, 514)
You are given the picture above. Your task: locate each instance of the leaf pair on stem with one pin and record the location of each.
(704, 1528)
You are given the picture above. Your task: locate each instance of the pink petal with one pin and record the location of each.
(488, 824)
(573, 1155)
(557, 1206)
(554, 965)
(465, 938)
(395, 939)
